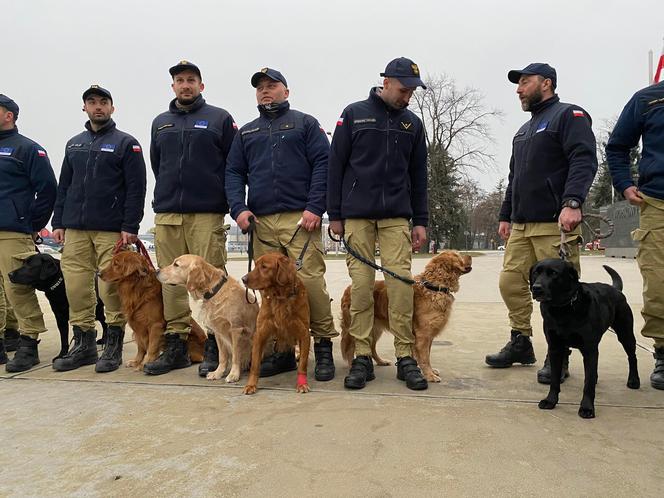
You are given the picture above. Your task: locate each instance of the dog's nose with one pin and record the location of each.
(536, 288)
(244, 279)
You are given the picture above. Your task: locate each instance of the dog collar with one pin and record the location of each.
(56, 284)
(210, 294)
(436, 288)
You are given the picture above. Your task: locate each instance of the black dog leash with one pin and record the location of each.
(250, 255)
(565, 251)
(424, 283)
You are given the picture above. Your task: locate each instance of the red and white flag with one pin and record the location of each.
(136, 148)
(340, 121)
(41, 153)
(578, 113)
(660, 69)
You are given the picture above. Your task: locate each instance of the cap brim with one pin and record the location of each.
(515, 75)
(257, 77)
(411, 82)
(99, 93)
(181, 68)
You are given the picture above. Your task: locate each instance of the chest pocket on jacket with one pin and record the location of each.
(291, 138)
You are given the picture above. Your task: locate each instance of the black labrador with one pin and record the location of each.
(576, 314)
(42, 271)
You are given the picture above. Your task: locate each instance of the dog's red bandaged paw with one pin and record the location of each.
(302, 385)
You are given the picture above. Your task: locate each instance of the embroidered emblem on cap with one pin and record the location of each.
(416, 70)
(264, 70)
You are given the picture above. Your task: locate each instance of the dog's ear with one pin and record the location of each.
(572, 273)
(195, 279)
(531, 275)
(48, 269)
(285, 272)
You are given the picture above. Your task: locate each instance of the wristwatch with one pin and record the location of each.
(571, 203)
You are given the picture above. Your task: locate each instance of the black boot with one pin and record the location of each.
(544, 374)
(11, 339)
(26, 355)
(210, 357)
(657, 376)
(361, 372)
(174, 356)
(278, 363)
(111, 358)
(324, 370)
(83, 353)
(3, 353)
(518, 350)
(408, 370)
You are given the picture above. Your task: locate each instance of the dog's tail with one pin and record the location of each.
(347, 340)
(616, 281)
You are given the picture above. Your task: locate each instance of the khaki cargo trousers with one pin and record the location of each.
(7, 316)
(650, 258)
(85, 252)
(277, 230)
(202, 234)
(395, 242)
(527, 244)
(22, 299)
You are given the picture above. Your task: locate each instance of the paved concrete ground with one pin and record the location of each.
(477, 433)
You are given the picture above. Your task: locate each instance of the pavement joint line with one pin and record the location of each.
(329, 391)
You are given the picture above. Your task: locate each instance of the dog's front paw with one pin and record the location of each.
(435, 370)
(232, 377)
(249, 389)
(131, 364)
(432, 376)
(382, 363)
(547, 404)
(302, 388)
(213, 375)
(587, 412)
(634, 382)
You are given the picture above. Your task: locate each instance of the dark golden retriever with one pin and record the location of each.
(284, 314)
(142, 305)
(431, 310)
(225, 311)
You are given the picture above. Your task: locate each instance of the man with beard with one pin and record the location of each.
(377, 183)
(100, 201)
(188, 152)
(551, 170)
(282, 156)
(27, 195)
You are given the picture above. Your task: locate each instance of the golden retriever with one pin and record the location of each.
(284, 314)
(142, 305)
(431, 310)
(224, 310)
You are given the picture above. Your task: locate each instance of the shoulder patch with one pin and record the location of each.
(406, 125)
(136, 148)
(41, 153)
(578, 113)
(107, 148)
(168, 125)
(201, 124)
(340, 121)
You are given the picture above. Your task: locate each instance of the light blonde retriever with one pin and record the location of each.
(431, 310)
(224, 310)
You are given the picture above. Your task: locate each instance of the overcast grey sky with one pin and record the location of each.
(330, 53)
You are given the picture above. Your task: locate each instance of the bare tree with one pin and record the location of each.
(458, 136)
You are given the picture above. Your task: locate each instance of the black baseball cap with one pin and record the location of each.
(539, 68)
(185, 66)
(9, 104)
(273, 74)
(406, 71)
(97, 90)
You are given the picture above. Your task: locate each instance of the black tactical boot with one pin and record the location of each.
(26, 355)
(111, 358)
(361, 372)
(83, 353)
(544, 374)
(11, 339)
(518, 350)
(3, 353)
(324, 370)
(278, 363)
(210, 356)
(657, 376)
(174, 356)
(408, 370)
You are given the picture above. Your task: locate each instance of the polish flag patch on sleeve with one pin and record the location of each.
(41, 153)
(578, 113)
(136, 148)
(340, 121)
(234, 125)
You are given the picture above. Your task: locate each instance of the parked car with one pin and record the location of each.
(501, 248)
